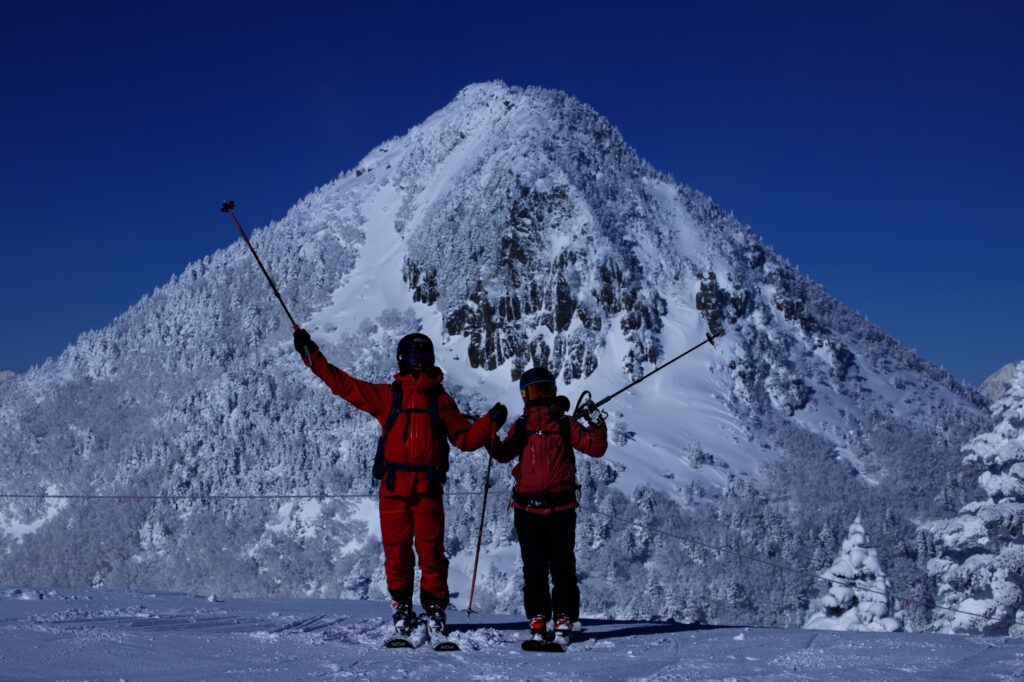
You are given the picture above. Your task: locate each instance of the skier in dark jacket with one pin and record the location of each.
(411, 465)
(544, 498)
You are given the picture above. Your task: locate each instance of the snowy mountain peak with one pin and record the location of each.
(515, 227)
(996, 385)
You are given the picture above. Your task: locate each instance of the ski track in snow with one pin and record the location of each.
(95, 634)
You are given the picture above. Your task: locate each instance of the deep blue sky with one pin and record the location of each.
(877, 146)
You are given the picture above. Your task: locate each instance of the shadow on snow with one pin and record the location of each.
(615, 628)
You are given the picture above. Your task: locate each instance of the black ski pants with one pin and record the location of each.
(547, 543)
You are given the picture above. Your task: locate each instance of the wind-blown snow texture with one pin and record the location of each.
(109, 635)
(514, 226)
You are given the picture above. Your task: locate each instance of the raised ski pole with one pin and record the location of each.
(586, 405)
(229, 207)
(479, 535)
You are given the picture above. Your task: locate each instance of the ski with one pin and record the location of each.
(414, 639)
(439, 638)
(437, 632)
(446, 645)
(543, 646)
(398, 642)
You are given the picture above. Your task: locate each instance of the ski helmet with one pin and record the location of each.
(537, 384)
(415, 351)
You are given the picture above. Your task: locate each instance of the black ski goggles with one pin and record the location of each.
(420, 354)
(538, 391)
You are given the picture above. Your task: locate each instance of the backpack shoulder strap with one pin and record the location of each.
(566, 430)
(570, 453)
(440, 433)
(396, 407)
(380, 465)
(433, 409)
(521, 435)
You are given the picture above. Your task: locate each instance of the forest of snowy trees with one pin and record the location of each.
(980, 562)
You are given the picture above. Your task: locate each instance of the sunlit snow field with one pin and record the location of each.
(110, 635)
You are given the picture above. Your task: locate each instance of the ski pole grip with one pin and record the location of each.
(581, 404)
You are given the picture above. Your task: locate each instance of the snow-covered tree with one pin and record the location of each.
(980, 562)
(858, 596)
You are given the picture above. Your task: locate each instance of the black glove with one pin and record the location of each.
(498, 414)
(591, 414)
(304, 345)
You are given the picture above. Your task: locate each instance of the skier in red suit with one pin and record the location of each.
(411, 463)
(544, 439)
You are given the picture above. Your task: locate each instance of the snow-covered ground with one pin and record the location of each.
(108, 635)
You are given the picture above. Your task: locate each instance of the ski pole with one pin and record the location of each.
(585, 404)
(480, 533)
(229, 207)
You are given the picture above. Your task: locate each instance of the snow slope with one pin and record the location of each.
(96, 634)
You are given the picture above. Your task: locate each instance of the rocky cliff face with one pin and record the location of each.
(534, 273)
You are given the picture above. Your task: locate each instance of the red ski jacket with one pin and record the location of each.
(411, 439)
(546, 473)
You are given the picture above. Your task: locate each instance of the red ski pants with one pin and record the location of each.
(417, 520)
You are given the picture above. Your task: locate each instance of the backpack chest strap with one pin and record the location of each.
(564, 430)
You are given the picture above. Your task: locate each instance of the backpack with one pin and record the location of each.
(383, 469)
(533, 500)
(563, 429)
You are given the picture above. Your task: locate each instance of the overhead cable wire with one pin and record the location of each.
(324, 496)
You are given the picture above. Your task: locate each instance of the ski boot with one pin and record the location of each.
(403, 617)
(437, 629)
(538, 628)
(563, 630)
(436, 620)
